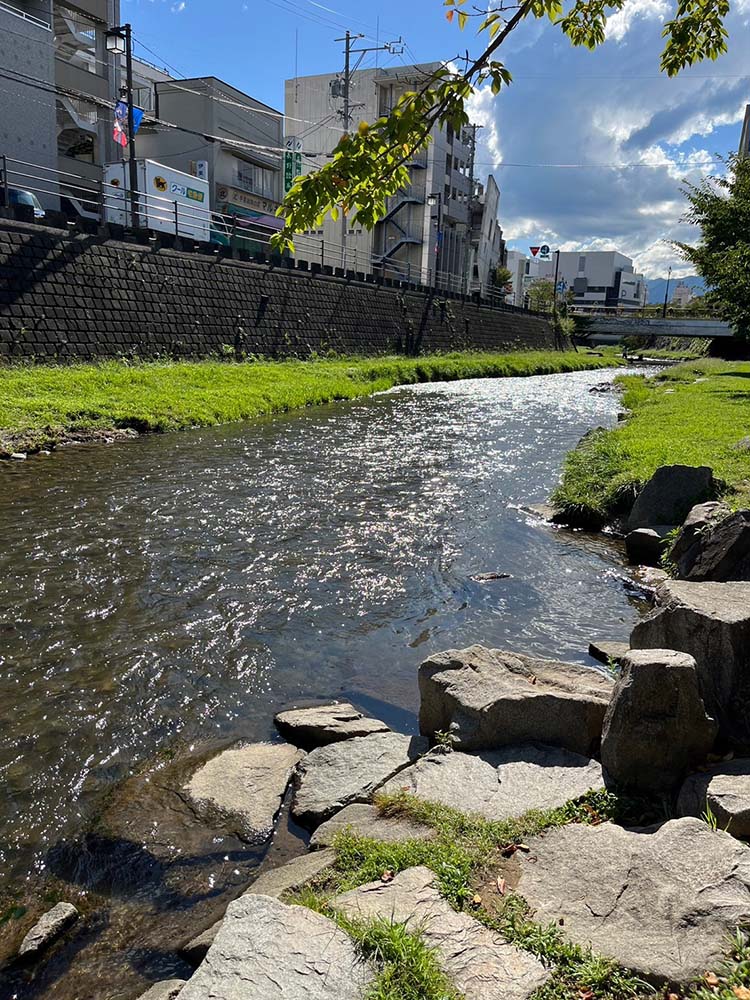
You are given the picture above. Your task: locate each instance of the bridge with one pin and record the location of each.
(612, 329)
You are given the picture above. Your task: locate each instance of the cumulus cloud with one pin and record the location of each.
(622, 137)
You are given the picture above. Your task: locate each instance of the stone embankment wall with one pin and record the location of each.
(75, 296)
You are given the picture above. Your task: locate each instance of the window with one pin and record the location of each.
(255, 179)
(581, 264)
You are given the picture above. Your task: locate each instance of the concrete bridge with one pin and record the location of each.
(612, 329)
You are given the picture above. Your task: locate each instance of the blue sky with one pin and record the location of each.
(589, 149)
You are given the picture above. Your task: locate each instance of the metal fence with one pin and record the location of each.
(153, 214)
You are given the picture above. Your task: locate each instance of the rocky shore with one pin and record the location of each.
(554, 830)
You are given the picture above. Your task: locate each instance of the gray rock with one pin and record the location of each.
(274, 882)
(47, 929)
(243, 787)
(502, 783)
(656, 725)
(168, 989)
(661, 903)
(670, 494)
(743, 444)
(719, 552)
(332, 777)
(725, 789)
(608, 652)
(266, 950)
(645, 546)
(479, 962)
(711, 622)
(488, 698)
(324, 724)
(687, 542)
(365, 821)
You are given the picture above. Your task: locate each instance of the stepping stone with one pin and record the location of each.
(487, 698)
(266, 950)
(502, 783)
(662, 903)
(332, 777)
(168, 989)
(366, 821)
(275, 882)
(243, 788)
(726, 790)
(323, 724)
(479, 962)
(47, 929)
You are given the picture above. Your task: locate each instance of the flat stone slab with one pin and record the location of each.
(661, 903)
(266, 950)
(480, 963)
(332, 777)
(725, 788)
(502, 783)
(487, 698)
(275, 882)
(168, 989)
(243, 788)
(323, 724)
(47, 929)
(365, 821)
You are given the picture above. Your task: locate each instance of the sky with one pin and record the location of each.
(589, 149)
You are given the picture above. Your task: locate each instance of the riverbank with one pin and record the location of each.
(44, 406)
(693, 414)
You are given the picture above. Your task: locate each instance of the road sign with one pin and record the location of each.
(293, 144)
(534, 251)
(544, 251)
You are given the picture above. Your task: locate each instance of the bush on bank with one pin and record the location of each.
(43, 405)
(693, 414)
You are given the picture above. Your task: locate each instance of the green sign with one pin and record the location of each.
(292, 169)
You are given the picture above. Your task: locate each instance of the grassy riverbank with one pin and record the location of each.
(692, 414)
(44, 405)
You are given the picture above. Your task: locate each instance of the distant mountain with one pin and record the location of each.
(657, 287)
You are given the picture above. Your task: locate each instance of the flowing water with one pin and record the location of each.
(176, 591)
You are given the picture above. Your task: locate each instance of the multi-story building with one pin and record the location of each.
(58, 82)
(486, 244)
(242, 163)
(427, 224)
(590, 280)
(682, 295)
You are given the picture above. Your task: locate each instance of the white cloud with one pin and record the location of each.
(620, 23)
(627, 136)
(177, 8)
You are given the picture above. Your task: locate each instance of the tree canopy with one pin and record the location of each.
(371, 164)
(720, 206)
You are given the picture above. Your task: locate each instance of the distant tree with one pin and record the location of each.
(541, 295)
(720, 205)
(503, 276)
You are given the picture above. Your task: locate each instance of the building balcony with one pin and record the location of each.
(76, 78)
(35, 14)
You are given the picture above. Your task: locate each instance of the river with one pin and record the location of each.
(178, 590)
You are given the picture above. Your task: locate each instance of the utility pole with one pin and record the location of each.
(472, 161)
(666, 295)
(117, 39)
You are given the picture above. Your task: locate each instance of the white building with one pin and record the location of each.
(486, 244)
(405, 243)
(682, 295)
(599, 279)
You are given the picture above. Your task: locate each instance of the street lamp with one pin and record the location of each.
(119, 41)
(437, 199)
(666, 295)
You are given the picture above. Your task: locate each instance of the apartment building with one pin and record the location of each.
(242, 164)
(427, 225)
(58, 70)
(486, 244)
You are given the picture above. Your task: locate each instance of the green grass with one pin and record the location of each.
(731, 981)
(692, 414)
(41, 405)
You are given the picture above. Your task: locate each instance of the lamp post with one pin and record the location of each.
(666, 295)
(120, 42)
(437, 199)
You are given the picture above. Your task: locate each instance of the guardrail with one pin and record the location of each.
(104, 202)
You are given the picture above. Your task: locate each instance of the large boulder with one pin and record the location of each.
(661, 903)
(719, 552)
(656, 725)
(48, 929)
(670, 494)
(366, 821)
(323, 724)
(266, 950)
(243, 788)
(502, 783)
(725, 790)
(334, 776)
(274, 882)
(645, 546)
(687, 543)
(711, 622)
(167, 989)
(479, 962)
(487, 698)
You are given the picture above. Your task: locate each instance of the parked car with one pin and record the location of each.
(18, 197)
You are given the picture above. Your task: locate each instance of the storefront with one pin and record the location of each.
(256, 219)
